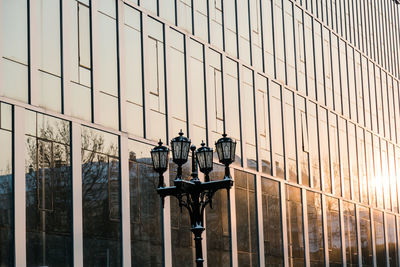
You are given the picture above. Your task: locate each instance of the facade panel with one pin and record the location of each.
(309, 90)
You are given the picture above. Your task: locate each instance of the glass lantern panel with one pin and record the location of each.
(185, 150)
(233, 149)
(177, 146)
(164, 159)
(156, 159)
(227, 150)
(201, 159)
(209, 159)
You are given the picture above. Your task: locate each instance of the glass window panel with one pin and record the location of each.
(350, 233)
(392, 239)
(201, 20)
(362, 165)
(7, 198)
(333, 231)
(177, 84)
(263, 124)
(156, 110)
(279, 41)
(378, 178)
(365, 233)
(334, 151)
(392, 179)
(215, 96)
(14, 53)
(272, 222)
(359, 83)
(216, 28)
(230, 33)
(289, 44)
(300, 57)
(231, 104)
(302, 141)
(372, 94)
(290, 137)
(294, 226)
(244, 31)
(344, 157)
(385, 175)
(327, 66)
(101, 198)
(309, 46)
(324, 149)
(313, 144)
(246, 219)
(336, 73)
(184, 14)
(107, 71)
(344, 78)
(319, 61)
(275, 100)
(217, 221)
(379, 238)
(48, 193)
(197, 92)
(354, 170)
(315, 234)
(14, 80)
(351, 83)
(181, 237)
(145, 208)
(268, 35)
(248, 119)
(150, 5)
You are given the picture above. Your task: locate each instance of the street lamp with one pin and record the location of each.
(194, 194)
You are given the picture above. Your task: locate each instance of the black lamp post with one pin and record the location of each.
(194, 194)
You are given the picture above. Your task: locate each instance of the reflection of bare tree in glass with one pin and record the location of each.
(48, 195)
(101, 199)
(6, 201)
(146, 235)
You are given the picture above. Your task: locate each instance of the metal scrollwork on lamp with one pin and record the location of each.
(194, 194)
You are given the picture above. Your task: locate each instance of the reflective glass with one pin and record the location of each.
(272, 222)
(365, 234)
(177, 84)
(392, 239)
(294, 226)
(48, 193)
(315, 232)
(303, 148)
(334, 151)
(133, 70)
(333, 231)
(217, 225)
(101, 198)
(182, 239)
(290, 137)
(246, 219)
(145, 208)
(379, 238)
(248, 119)
(7, 196)
(350, 233)
(263, 127)
(344, 158)
(275, 101)
(324, 149)
(14, 52)
(313, 143)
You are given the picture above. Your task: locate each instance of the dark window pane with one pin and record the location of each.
(315, 235)
(246, 219)
(365, 234)
(217, 225)
(101, 199)
(379, 238)
(48, 192)
(7, 197)
(350, 232)
(392, 240)
(333, 226)
(294, 226)
(145, 206)
(272, 223)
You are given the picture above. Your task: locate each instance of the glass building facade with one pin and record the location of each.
(309, 89)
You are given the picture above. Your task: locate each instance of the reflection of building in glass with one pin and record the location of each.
(310, 90)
